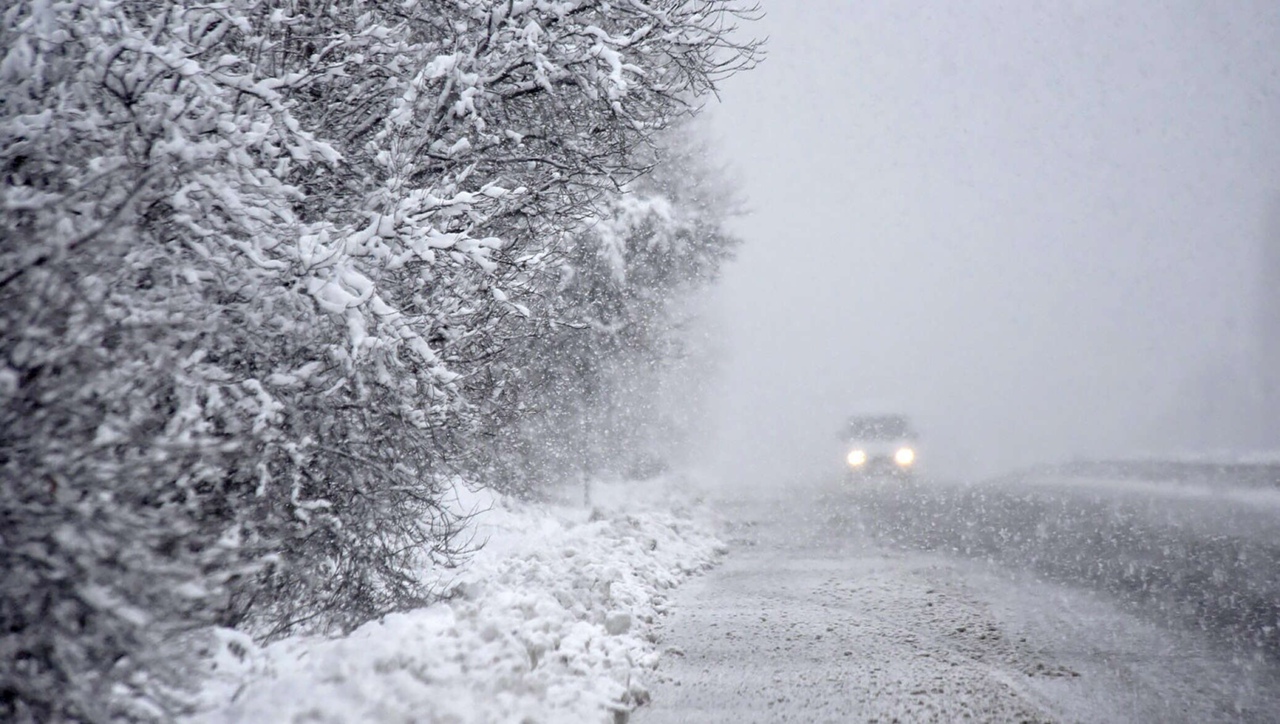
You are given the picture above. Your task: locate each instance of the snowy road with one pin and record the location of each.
(1019, 601)
(1195, 553)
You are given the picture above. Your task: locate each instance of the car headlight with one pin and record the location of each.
(905, 456)
(856, 458)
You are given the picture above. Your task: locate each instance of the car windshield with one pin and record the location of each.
(880, 427)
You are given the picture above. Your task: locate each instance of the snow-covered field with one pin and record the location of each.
(552, 622)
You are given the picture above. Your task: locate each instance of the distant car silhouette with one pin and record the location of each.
(879, 445)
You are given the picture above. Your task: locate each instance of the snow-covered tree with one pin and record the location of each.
(261, 268)
(596, 400)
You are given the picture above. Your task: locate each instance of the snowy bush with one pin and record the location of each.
(609, 387)
(261, 264)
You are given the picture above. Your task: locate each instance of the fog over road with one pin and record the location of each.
(1044, 596)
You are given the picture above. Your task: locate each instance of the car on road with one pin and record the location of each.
(879, 446)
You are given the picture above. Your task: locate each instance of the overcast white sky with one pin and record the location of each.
(1028, 224)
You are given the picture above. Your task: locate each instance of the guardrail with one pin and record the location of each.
(1239, 474)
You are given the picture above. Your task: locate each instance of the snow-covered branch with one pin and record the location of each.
(266, 275)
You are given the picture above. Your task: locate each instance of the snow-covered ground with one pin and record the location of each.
(552, 622)
(834, 606)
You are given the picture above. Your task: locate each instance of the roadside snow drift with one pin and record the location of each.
(550, 623)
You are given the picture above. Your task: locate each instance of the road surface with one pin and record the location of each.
(1017, 600)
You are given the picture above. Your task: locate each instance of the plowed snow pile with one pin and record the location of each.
(551, 624)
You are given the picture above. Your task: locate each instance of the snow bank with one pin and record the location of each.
(551, 622)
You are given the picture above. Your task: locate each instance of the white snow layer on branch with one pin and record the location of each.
(633, 213)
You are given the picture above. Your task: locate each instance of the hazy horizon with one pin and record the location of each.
(1035, 235)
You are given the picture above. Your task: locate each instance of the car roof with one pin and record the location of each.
(880, 425)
